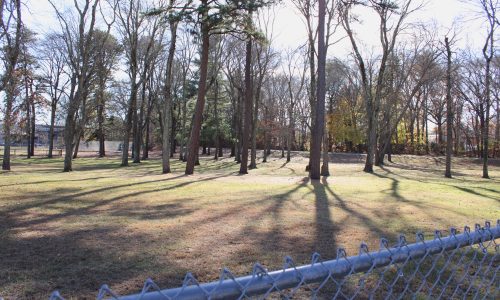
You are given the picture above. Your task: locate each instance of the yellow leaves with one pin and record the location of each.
(342, 123)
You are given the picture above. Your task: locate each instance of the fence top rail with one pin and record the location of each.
(263, 282)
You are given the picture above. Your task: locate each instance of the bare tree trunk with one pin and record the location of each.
(319, 124)
(488, 50)
(51, 130)
(325, 171)
(282, 144)
(253, 154)
(389, 153)
(200, 103)
(166, 134)
(440, 133)
(264, 159)
(183, 146)
(449, 112)
(28, 119)
(9, 80)
(497, 130)
(216, 117)
(419, 133)
(486, 120)
(77, 146)
(426, 114)
(312, 93)
(288, 145)
(69, 132)
(266, 142)
(135, 134)
(33, 127)
(478, 133)
(248, 105)
(145, 151)
(138, 124)
(167, 114)
(7, 123)
(128, 122)
(80, 127)
(372, 137)
(100, 118)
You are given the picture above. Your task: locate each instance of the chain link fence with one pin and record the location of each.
(460, 266)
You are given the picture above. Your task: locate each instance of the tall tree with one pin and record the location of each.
(27, 68)
(139, 40)
(489, 8)
(319, 124)
(247, 120)
(11, 37)
(449, 111)
(106, 59)
(53, 75)
(214, 18)
(389, 28)
(78, 38)
(265, 62)
(194, 140)
(173, 21)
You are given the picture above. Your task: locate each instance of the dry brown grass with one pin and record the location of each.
(106, 224)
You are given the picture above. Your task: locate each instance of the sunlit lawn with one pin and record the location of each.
(107, 224)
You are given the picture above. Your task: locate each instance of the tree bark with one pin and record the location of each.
(145, 151)
(319, 124)
(253, 154)
(167, 114)
(10, 82)
(216, 117)
(325, 171)
(100, 117)
(497, 130)
(128, 121)
(200, 102)
(7, 123)
(33, 127)
(51, 130)
(449, 112)
(247, 121)
(28, 116)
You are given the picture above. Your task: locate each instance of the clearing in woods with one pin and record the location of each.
(107, 224)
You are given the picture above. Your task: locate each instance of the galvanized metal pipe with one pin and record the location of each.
(261, 281)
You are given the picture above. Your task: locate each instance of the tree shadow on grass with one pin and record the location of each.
(477, 193)
(61, 180)
(267, 235)
(394, 184)
(73, 194)
(326, 230)
(77, 263)
(278, 239)
(80, 211)
(364, 219)
(138, 210)
(395, 187)
(395, 193)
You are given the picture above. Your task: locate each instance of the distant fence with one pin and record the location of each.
(18, 151)
(459, 266)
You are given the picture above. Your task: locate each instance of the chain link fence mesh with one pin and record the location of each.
(460, 266)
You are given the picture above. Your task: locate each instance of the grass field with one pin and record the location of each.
(106, 224)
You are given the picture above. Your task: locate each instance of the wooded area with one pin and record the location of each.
(125, 125)
(180, 76)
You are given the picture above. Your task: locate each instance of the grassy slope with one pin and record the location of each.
(106, 224)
